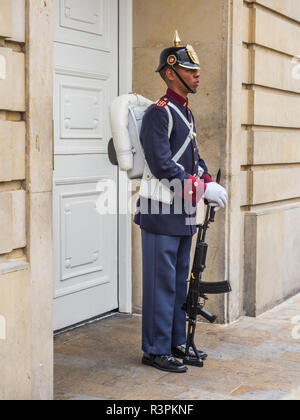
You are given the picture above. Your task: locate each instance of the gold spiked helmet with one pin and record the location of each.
(180, 55)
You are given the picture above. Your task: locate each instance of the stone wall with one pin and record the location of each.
(271, 152)
(12, 137)
(26, 360)
(14, 268)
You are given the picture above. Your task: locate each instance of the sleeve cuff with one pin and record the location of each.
(193, 190)
(206, 178)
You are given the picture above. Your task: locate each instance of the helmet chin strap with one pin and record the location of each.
(183, 81)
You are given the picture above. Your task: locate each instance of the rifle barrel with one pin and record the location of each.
(212, 211)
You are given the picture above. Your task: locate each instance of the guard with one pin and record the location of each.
(166, 232)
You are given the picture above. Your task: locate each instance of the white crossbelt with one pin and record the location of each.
(151, 187)
(189, 137)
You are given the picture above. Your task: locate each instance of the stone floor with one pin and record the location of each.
(252, 359)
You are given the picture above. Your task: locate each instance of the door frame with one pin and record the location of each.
(125, 221)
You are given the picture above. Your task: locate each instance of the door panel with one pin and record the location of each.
(86, 23)
(81, 112)
(85, 82)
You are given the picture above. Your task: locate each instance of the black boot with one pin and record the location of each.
(164, 362)
(179, 352)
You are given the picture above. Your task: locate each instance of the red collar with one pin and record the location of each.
(178, 98)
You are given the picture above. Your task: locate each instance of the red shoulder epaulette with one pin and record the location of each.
(162, 102)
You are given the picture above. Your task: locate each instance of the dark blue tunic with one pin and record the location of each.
(159, 151)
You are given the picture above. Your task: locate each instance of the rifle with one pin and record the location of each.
(199, 289)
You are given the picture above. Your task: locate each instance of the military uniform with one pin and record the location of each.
(159, 149)
(167, 238)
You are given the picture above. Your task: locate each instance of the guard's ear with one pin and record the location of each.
(170, 75)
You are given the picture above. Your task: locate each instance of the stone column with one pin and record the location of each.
(233, 151)
(39, 158)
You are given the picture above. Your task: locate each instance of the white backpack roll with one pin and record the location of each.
(126, 115)
(135, 119)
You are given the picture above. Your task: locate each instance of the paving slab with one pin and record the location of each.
(251, 359)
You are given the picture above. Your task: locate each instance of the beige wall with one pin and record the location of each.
(26, 354)
(14, 273)
(15, 336)
(271, 152)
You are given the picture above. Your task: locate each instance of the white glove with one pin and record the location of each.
(216, 195)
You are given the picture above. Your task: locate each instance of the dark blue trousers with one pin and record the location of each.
(166, 261)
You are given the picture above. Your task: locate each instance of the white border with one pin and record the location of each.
(125, 222)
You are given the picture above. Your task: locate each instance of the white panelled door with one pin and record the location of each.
(85, 82)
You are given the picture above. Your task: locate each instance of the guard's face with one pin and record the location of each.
(190, 76)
